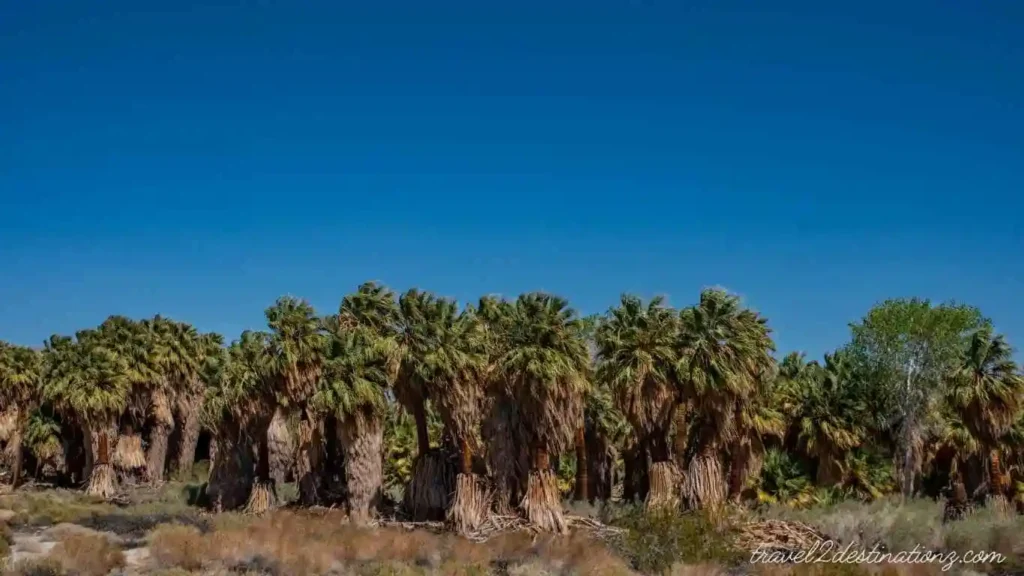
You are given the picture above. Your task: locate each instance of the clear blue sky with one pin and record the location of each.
(200, 159)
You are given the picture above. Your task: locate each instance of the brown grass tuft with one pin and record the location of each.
(178, 546)
(36, 567)
(87, 554)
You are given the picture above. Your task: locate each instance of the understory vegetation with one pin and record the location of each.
(657, 420)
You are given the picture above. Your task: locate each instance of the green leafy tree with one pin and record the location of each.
(909, 347)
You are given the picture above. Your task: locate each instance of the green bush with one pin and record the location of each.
(655, 540)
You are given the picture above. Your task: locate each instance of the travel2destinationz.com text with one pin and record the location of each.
(827, 551)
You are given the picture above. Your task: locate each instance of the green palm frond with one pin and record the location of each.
(545, 364)
(637, 355)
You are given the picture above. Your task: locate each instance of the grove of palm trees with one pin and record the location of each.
(418, 407)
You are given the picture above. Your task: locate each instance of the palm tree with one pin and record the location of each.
(421, 313)
(180, 352)
(606, 429)
(20, 381)
(757, 419)
(451, 363)
(508, 460)
(164, 353)
(297, 347)
(91, 381)
(724, 349)
(357, 373)
(545, 366)
(986, 392)
(636, 347)
(130, 341)
(235, 403)
(832, 419)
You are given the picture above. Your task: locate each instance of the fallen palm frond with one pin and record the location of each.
(779, 535)
(497, 524)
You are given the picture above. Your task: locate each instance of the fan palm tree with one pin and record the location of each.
(831, 419)
(180, 352)
(451, 362)
(723, 351)
(637, 352)
(545, 367)
(606, 430)
(988, 394)
(357, 373)
(91, 381)
(759, 418)
(130, 341)
(420, 319)
(297, 348)
(20, 381)
(508, 460)
(236, 399)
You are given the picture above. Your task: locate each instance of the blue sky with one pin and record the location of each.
(200, 159)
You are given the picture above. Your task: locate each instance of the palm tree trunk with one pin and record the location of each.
(18, 419)
(502, 454)
(427, 496)
(102, 481)
(308, 462)
(263, 496)
(129, 459)
(331, 470)
(189, 427)
(582, 468)
(159, 435)
(996, 473)
(662, 475)
(471, 503)
(680, 437)
(281, 447)
(636, 483)
(231, 473)
(422, 434)
(601, 466)
(829, 473)
(541, 503)
(14, 449)
(704, 486)
(362, 438)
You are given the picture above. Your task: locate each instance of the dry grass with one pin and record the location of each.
(900, 527)
(6, 539)
(178, 546)
(36, 567)
(87, 554)
(287, 543)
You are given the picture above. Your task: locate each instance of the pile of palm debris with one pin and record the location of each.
(780, 535)
(496, 524)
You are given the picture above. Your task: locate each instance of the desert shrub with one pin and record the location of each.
(6, 539)
(887, 522)
(658, 539)
(36, 567)
(179, 546)
(87, 554)
(52, 507)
